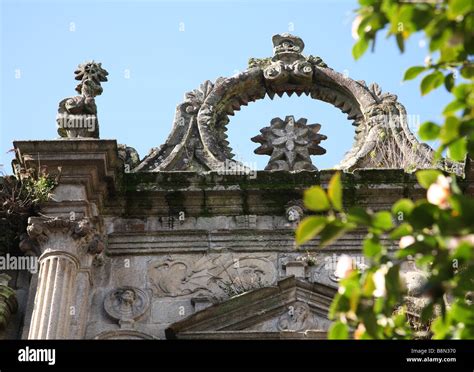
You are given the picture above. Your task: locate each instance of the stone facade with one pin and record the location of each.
(177, 246)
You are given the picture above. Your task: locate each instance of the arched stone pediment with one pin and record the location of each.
(198, 140)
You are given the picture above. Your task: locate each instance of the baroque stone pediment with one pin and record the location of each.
(383, 139)
(292, 308)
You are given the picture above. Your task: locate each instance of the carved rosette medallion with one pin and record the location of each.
(290, 144)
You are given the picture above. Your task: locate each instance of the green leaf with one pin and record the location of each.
(440, 328)
(333, 231)
(413, 72)
(464, 251)
(404, 206)
(316, 199)
(427, 177)
(382, 220)
(431, 81)
(449, 82)
(423, 215)
(461, 91)
(360, 47)
(392, 281)
(458, 149)
(453, 107)
(429, 131)
(450, 130)
(338, 331)
(459, 7)
(309, 228)
(403, 230)
(400, 42)
(335, 191)
(370, 323)
(372, 247)
(467, 72)
(359, 216)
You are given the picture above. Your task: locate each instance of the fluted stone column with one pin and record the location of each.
(67, 248)
(52, 309)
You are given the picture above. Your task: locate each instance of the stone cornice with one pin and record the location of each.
(92, 163)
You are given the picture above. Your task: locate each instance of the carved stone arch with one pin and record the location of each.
(198, 140)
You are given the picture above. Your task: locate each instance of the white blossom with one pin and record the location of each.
(344, 266)
(439, 192)
(379, 281)
(405, 241)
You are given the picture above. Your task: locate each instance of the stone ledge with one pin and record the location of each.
(193, 241)
(92, 163)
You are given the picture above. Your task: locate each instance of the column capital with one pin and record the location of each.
(57, 234)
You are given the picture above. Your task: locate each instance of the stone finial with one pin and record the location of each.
(287, 44)
(290, 144)
(77, 116)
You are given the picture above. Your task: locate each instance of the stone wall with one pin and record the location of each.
(147, 252)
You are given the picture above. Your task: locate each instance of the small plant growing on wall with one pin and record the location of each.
(20, 198)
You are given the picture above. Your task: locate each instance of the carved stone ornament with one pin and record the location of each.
(290, 144)
(198, 140)
(126, 304)
(294, 210)
(298, 318)
(77, 116)
(181, 276)
(39, 231)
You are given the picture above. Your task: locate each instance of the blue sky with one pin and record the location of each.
(155, 51)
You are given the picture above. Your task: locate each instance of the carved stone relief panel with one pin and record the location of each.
(296, 317)
(211, 275)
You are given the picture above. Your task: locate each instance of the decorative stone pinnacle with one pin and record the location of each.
(90, 72)
(77, 116)
(287, 44)
(290, 144)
